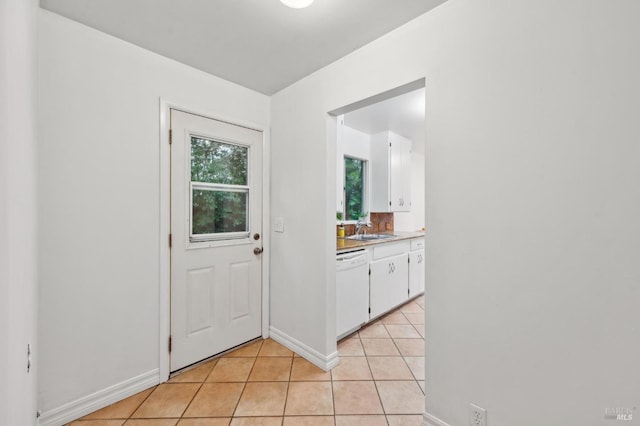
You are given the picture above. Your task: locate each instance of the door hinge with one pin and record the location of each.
(369, 271)
(170, 136)
(169, 344)
(170, 241)
(369, 309)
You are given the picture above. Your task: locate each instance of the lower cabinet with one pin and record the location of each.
(388, 283)
(416, 273)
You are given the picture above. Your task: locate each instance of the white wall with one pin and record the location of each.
(18, 254)
(99, 201)
(532, 203)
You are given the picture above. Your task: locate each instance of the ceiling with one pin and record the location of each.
(403, 115)
(259, 44)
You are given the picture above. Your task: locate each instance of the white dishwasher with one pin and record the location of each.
(352, 291)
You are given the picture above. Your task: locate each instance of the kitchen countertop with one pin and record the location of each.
(343, 244)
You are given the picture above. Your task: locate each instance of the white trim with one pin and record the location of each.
(431, 420)
(165, 225)
(307, 352)
(88, 404)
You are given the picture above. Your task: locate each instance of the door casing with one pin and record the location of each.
(165, 224)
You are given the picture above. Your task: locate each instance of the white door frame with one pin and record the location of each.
(165, 223)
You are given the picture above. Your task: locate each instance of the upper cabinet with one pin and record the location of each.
(391, 173)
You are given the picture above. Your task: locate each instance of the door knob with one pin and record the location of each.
(258, 250)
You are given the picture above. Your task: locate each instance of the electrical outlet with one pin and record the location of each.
(477, 415)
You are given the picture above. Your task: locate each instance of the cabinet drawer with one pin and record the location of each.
(417, 243)
(391, 249)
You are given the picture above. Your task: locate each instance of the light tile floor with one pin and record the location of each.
(379, 381)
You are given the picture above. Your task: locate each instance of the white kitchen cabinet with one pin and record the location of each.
(388, 283)
(416, 267)
(391, 173)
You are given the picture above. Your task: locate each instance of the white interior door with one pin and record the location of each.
(216, 237)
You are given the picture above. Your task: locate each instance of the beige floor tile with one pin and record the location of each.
(250, 350)
(231, 370)
(215, 400)
(97, 423)
(361, 421)
(195, 375)
(273, 348)
(420, 301)
(406, 331)
(416, 365)
(271, 369)
(374, 331)
(122, 409)
(350, 347)
(303, 371)
(167, 400)
(410, 347)
(411, 308)
(224, 421)
(401, 397)
(389, 368)
(352, 368)
(151, 422)
(309, 398)
(422, 386)
(262, 399)
(308, 421)
(415, 318)
(420, 330)
(405, 420)
(256, 421)
(394, 318)
(379, 347)
(356, 398)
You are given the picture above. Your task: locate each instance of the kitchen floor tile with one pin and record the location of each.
(352, 368)
(356, 398)
(249, 350)
(303, 371)
(417, 318)
(416, 365)
(219, 421)
(389, 368)
(401, 397)
(151, 422)
(262, 399)
(273, 348)
(406, 331)
(256, 421)
(299, 402)
(231, 370)
(271, 369)
(197, 374)
(361, 421)
(411, 308)
(308, 421)
(405, 420)
(215, 400)
(167, 400)
(122, 409)
(350, 347)
(379, 347)
(395, 318)
(98, 423)
(410, 347)
(375, 331)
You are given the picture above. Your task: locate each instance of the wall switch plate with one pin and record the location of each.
(278, 224)
(477, 415)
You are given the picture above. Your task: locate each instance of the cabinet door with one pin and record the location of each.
(416, 272)
(388, 284)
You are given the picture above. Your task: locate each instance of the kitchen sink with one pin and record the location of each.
(369, 237)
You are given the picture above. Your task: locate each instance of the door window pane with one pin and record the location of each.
(354, 171)
(218, 162)
(215, 212)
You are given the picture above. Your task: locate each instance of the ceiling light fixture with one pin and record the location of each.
(297, 4)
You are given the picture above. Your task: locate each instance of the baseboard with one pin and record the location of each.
(431, 420)
(88, 404)
(306, 352)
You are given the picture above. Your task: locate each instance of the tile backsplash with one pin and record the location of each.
(380, 223)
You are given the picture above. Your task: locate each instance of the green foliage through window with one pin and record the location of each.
(354, 171)
(220, 195)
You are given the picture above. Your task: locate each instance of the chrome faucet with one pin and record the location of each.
(361, 224)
